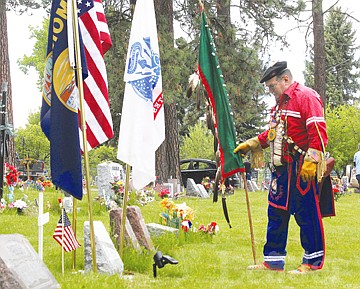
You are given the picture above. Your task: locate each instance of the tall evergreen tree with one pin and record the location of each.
(342, 66)
(239, 43)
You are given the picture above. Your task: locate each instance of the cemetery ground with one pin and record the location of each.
(204, 261)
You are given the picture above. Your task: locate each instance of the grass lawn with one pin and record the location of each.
(204, 262)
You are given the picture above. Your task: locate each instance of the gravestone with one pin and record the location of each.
(107, 173)
(157, 229)
(138, 225)
(7, 279)
(176, 185)
(68, 204)
(107, 258)
(21, 267)
(348, 171)
(191, 188)
(170, 188)
(345, 181)
(252, 186)
(115, 224)
(202, 192)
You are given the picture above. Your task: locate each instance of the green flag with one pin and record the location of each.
(212, 79)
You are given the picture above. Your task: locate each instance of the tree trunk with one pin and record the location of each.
(167, 156)
(223, 12)
(7, 148)
(319, 50)
(5, 77)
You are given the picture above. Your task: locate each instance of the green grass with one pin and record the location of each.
(204, 262)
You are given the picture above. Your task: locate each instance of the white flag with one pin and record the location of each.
(142, 128)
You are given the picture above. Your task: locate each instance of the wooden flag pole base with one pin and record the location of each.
(249, 217)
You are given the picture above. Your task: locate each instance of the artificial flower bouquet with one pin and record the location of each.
(175, 214)
(211, 229)
(165, 193)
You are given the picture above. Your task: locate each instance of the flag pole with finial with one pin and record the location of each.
(83, 130)
(242, 172)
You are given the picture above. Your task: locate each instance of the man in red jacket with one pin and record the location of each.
(297, 139)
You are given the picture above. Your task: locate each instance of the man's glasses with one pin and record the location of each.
(271, 87)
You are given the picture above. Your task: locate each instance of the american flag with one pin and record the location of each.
(96, 38)
(70, 243)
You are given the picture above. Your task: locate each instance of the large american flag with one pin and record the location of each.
(70, 243)
(96, 38)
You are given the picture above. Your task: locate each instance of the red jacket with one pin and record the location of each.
(305, 124)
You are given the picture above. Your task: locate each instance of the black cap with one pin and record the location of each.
(278, 68)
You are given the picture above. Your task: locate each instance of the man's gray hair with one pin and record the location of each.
(285, 72)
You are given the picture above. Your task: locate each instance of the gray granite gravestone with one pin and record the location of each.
(107, 258)
(176, 186)
(21, 267)
(68, 204)
(157, 229)
(191, 188)
(202, 192)
(107, 173)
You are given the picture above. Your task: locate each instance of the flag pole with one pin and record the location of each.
(249, 216)
(123, 218)
(62, 238)
(74, 229)
(83, 130)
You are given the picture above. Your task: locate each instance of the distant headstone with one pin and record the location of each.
(21, 267)
(157, 229)
(348, 171)
(177, 186)
(345, 181)
(107, 258)
(138, 225)
(191, 188)
(202, 192)
(115, 225)
(107, 173)
(170, 188)
(68, 204)
(250, 186)
(255, 186)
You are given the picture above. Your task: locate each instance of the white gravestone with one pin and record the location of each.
(202, 191)
(170, 188)
(107, 173)
(107, 258)
(177, 187)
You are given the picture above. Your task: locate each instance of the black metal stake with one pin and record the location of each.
(161, 260)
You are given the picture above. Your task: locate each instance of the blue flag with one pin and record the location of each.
(59, 111)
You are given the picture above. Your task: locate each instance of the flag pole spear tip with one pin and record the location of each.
(201, 6)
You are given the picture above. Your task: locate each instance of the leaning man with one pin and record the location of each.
(297, 139)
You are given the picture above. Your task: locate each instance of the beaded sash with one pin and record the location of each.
(277, 138)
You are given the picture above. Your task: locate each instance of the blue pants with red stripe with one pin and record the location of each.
(303, 204)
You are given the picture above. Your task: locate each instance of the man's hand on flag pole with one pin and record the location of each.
(252, 144)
